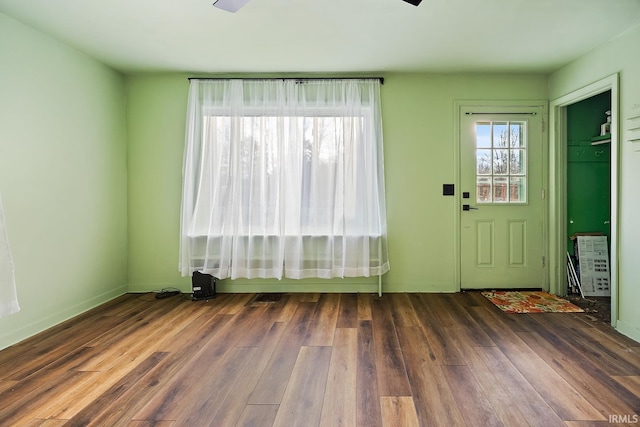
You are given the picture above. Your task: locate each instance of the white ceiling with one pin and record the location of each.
(331, 36)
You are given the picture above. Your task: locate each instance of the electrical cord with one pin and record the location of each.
(161, 294)
(167, 292)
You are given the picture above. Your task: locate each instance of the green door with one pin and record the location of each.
(501, 224)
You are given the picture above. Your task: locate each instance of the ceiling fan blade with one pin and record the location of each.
(413, 2)
(230, 5)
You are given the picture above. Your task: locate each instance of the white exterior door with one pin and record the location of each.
(501, 176)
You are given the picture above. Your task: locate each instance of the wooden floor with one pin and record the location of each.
(320, 359)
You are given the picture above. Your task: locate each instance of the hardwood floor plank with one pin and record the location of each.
(31, 359)
(310, 297)
(364, 306)
(290, 307)
(398, 411)
(339, 403)
(254, 335)
(474, 405)
(383, 325)
(257, 415)
(402, 312)
(610, 333)
(214, 390)
(515, 323)
(367, 398)
(120, 306)
(33, 384)
(4, 385)
(151, 424)
(103, 404)
(245, 321)
(473, 334)
(138, 319)
(536, 410)
(81, 392)
(45, 423)
(392, 374)
(433, 399)
(348, 312)
(631, 383)
(273, 381)
(190, 388)
(115, 371)
(443, 350)
(191, 385)
(302, 401)
(189, 317)
(188, 346)
(234, 404)
(589, 423)
(129, 346)
(572, 406)
(621, 359)
(501, 397)
(56, 335)
(435, 306)
(234, 303)
(22, 408)
(604, 393)
(324, 321)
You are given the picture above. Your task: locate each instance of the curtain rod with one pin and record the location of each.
(298, 79)
(469, 113)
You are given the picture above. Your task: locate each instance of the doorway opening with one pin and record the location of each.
(588, 201)
(583, 188)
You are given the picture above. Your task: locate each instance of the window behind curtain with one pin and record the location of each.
(283, 178)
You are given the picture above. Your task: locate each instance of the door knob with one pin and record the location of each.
(468, 208)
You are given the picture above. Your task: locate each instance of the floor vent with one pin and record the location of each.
(268, 297)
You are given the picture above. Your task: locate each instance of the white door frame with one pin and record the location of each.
(494, 106)
(558, 186)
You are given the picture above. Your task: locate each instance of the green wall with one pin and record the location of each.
(617, 56)
(62, 178)
(418, 121)
(588, 169)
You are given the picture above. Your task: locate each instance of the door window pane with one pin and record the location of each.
(517, 162)
(483, 189)
(517, 189)
(501, 162)
(515, 135)
(500, 193)
(483, 162)
(500, 135)
(483, 135)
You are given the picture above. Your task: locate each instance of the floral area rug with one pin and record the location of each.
(530, 302)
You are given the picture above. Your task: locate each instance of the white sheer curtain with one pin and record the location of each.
(8, 297)
(284, 178)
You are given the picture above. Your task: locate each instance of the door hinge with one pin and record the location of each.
(543, 125)
(542, 195)
(543, 261)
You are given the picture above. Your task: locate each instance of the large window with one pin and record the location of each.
(284, 178)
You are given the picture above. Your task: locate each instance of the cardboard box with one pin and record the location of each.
(593, 264)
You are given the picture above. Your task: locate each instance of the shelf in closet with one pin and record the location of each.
(603, 139)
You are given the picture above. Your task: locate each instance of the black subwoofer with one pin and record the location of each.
(203, 286)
